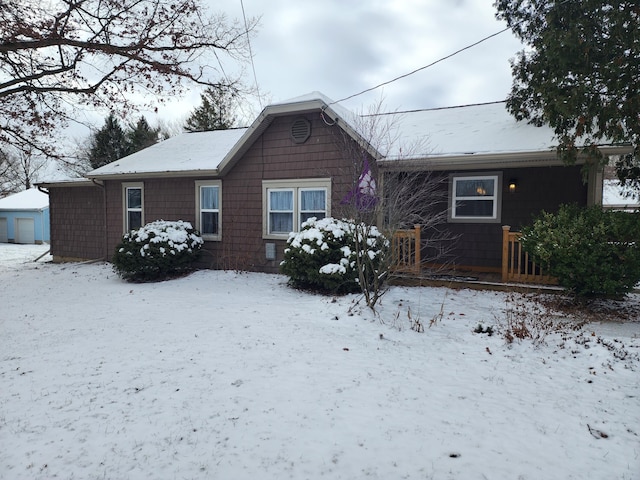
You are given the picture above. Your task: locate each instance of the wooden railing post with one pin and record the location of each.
(505, 252)
(405, 250)
(417, 244)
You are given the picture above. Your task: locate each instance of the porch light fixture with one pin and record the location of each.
(513, 185)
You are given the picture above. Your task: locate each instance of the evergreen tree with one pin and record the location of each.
(141, 135)
(216, 112)
(108, 144)
(581, 74)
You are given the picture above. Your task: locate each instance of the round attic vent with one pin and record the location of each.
(300, 130)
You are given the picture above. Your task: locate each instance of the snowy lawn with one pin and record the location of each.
(221, 375)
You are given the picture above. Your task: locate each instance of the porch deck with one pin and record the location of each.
(453, 278)
(517, 272)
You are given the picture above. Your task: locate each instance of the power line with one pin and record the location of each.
(253, 67)
(422, 68)
(444, 58)
(452, 107)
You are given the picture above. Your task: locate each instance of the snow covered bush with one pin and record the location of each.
(590, 251)
(323, 256)
(157, 250)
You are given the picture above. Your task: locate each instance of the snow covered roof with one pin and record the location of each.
(312, 102)
(212, 152)
(327, 103)
(473, 136)
(614, 196)
(189, 152)
(470, 130)
(32, 199)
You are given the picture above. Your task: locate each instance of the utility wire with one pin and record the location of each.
(443, 58)
(422, 68)
(452, 107)
(253, 67)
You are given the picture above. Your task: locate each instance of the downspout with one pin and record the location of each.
(97, 183)
(42, 222)
(42, 226)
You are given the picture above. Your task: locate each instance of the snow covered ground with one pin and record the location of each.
(224, 375)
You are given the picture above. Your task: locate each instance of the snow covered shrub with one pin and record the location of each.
(157, 250)
(323, 256)
(592, 252)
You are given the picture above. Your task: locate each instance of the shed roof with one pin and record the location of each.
(32, 199)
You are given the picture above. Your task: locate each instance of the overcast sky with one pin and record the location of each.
(342, 47)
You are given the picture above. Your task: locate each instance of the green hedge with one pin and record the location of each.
(592, 252)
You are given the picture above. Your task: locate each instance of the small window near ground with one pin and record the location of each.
(208, 212)
(289, 203)
(474, 198)
(133, 206)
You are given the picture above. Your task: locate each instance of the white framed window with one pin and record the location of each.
(313, 203)
(208, 209)
(475, 198)
(288, 203)
(281, 214)
(133, 203)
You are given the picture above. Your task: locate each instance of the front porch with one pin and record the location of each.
(518, 271)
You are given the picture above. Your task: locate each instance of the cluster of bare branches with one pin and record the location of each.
(61, 55)
(18, 171)
(390, 199)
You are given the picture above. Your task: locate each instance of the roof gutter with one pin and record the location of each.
(480, 161)
(168, 174)
(80, 182)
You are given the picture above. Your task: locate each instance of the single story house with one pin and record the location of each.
(245, 189)
(24, 217)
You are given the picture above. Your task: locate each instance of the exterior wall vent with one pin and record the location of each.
(300, 130)
(270, 251)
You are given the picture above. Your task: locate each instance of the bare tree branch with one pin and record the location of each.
(392, 200)
(19, 171)
(68, 54)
